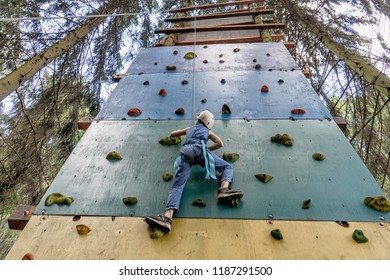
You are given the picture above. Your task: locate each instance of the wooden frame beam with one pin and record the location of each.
(277, 37)
(221, 15)
(217, 5)
(221, 28)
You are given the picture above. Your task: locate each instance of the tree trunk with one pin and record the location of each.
(357, 63)
(26, 71)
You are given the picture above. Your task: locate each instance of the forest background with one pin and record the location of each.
(74, 48)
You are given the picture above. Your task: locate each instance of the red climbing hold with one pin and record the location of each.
(162, 92)
(264, 88)
(297, 111)
(222, 61)
(134, 112)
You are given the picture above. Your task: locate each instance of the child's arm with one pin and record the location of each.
(217, 141)
(179, 132)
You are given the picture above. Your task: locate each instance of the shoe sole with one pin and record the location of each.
(156, 224)
(226, 199)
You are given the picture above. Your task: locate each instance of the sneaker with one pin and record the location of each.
(160, 222)
(226, 193)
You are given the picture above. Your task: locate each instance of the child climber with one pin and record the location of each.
(195, 152)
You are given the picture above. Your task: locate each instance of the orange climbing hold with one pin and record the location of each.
(162, 92)
(134, 112)
(297, 111)
(264, 88)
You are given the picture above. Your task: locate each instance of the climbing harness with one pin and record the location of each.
(208, 159)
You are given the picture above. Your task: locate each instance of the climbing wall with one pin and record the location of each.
(231, 75)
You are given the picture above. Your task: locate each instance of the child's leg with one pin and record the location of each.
(225, 168)
(177, 188)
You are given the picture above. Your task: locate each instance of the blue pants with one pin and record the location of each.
(192, 154)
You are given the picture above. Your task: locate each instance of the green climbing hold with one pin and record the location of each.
(190, 55)
(232, 157)
(359, 237)
(156, 234)
(277, 234)
(170, 140)
(113, 155)
(318, 156)
(130, 200)
(306, 204)
(379, 203)
(167, 177)
(284, 139)
(264, 177)
(199, 203)
(58, 199)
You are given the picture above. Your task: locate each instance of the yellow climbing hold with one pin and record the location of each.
(58, 198)
(284, 139)
(379, 203)
(232, 157)
(130, 200)
(82, 229)
(190, 55)
(113, 155)
(170, 140)
(318, 156)
(156, 234)
(167, 177)
(264, 177)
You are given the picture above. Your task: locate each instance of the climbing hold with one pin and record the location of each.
(277, 234)
(28, 257)
(268, 54)
(133, 112)
(281, 81)
(359, 237)
(205, 61)
(232, 157)
(175, 52)
(379, 203)
(170, 140)
(226, 109)
(171, 68)
(222, 61)
(167, 177)
(130, 200)
(297, 111)
(221, 55)
(155, 63)
(306, 204)
(264, 88)
(82, 229)
(156, 234)
(254, 60)
(184, 82)
(199, 203)
(284, 139)
(223, 81)
(162, 92)
(236, 50)
(318, 156)
(205, 47)
(113, 155)
(179, 111)
(258, 66)
(146, 83)
(204, 100)
(58, 198)
(190, 55)
(265, 178)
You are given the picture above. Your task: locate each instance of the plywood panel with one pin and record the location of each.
(336, 186)
(55, 238)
